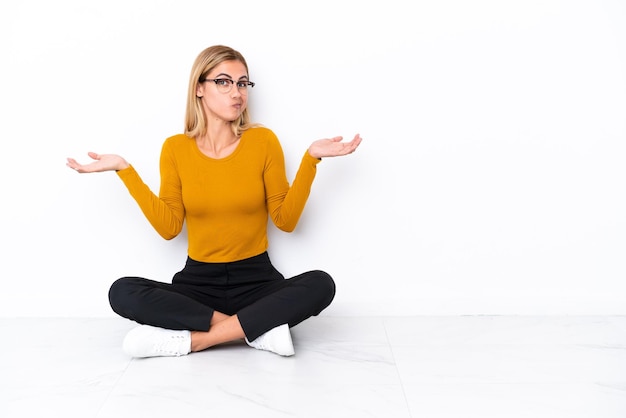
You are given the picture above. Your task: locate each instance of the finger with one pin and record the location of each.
(354, 145)
(71, 163)
(93, 155)
(351, 146)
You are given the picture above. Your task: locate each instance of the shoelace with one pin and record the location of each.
(170, 345)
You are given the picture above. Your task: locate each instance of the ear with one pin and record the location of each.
(200, 90)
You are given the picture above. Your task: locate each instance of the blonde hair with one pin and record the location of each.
(207, 60)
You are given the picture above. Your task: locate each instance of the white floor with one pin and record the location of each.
(472, 366)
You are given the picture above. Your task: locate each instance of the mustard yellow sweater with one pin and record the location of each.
(225, 202)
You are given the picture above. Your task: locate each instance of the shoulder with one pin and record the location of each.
(261, 137)
(260, 133)
(177, 147)
(177, 141)
(262, 141)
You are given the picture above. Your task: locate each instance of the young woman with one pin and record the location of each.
(224, 176)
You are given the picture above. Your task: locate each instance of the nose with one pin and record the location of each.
(234, 91)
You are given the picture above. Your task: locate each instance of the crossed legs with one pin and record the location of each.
(185, 317)
(224, 328)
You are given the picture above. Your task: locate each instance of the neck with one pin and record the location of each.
(217, 143)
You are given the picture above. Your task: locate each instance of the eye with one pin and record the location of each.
(243, 84)
(224, 82)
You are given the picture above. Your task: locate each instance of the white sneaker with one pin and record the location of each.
(149, 341)
(277, 340)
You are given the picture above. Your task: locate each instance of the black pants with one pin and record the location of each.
(252, 288)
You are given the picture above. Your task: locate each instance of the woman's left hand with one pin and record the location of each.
(333, 147)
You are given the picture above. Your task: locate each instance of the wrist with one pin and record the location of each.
(313, 155)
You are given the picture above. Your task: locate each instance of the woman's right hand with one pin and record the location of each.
(103, 162)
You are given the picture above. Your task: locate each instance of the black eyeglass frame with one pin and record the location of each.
(242, 84)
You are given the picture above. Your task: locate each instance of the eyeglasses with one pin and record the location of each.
(224, 85)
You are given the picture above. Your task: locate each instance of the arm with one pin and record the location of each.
(165, 212)
(286, 203)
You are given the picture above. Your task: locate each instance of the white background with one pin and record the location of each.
(490, 179)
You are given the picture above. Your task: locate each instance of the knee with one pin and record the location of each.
(118, 293)
(325, 286)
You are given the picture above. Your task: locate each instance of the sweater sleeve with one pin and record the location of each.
(164, 212)
(286, 203)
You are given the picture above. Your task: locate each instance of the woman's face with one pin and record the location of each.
(226, 98)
